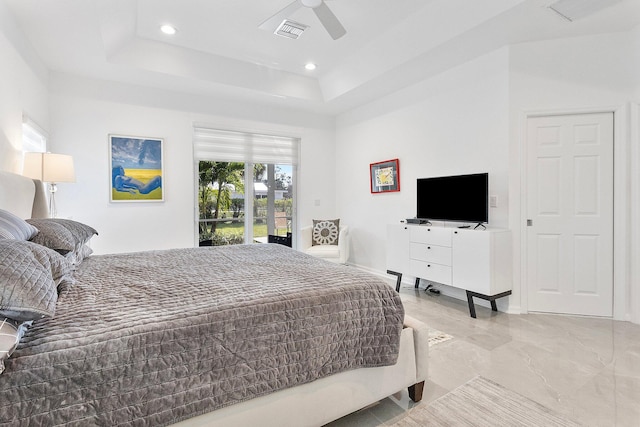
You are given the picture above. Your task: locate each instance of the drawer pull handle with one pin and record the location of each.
(428, 265)
(428, 247)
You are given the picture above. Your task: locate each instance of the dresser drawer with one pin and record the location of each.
(433, 235)
(430, 271)
(430, 253)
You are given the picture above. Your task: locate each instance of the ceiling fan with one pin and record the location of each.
(322, 11)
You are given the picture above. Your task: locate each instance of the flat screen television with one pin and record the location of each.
(462, 198)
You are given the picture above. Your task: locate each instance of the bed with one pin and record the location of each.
(188, 337)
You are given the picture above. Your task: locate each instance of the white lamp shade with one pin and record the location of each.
(49, 167)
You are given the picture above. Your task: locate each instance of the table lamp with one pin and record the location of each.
(52, 169)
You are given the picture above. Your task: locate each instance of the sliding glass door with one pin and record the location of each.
(273, 203)
(245, 203)
(221, 217)
(246, 186)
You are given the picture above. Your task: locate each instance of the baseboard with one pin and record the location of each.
(375, 272)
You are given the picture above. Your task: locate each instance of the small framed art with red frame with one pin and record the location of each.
(384, 177)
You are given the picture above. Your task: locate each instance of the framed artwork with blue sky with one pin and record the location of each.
(136, 169)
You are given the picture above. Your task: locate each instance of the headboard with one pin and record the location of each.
(22, 196)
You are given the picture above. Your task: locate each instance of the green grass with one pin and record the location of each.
(237, 228)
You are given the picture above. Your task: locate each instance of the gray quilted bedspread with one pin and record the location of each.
(149, 339)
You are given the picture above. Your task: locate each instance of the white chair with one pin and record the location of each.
(281, 221)
(335, 253)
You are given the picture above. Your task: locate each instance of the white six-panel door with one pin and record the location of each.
(570, 212)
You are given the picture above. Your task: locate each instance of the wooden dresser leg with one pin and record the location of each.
(415, 391)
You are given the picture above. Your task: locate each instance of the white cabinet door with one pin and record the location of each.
(471, 259)
(482, 261)
(398, 248)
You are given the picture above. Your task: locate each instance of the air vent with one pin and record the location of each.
(572, 10)
(290, 29)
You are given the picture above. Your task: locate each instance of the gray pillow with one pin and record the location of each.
(75, 258)
(14, 227)
(325, 232)
(10, 333)
(62, 235)
(29, 276)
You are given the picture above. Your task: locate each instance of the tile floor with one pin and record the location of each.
(585, 369)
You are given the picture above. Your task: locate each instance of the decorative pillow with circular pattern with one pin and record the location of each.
(325, 232)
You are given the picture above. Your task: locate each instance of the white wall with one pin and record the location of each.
(455, 123)
(23, 90)
(471, 118)
(85, 111)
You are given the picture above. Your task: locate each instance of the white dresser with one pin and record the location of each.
(478, 261)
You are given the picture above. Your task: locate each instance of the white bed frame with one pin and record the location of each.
(313, 404)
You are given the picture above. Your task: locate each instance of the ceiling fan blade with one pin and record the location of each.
(272, 23)
(329, 21)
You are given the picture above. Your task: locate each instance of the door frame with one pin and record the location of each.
(634, 212)
(621, 201)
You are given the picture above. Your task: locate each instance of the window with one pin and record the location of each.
(34, 138)
(246, 186)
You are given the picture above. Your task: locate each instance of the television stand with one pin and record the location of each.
(475, 261)
(480, 225)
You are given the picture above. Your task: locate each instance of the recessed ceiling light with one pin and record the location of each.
(310, 66)
(168, 29)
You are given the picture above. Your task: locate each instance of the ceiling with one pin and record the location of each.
(220, 51)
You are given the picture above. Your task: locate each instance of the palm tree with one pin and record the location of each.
(205, 193)
(227, 175)
(259, 171)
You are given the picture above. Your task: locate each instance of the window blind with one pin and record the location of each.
(231, 146)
